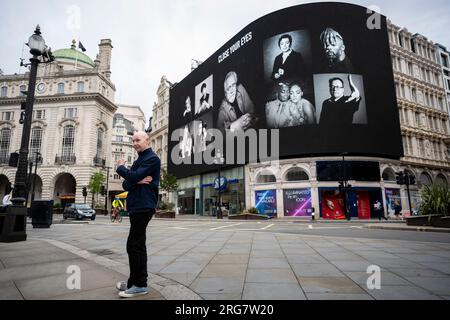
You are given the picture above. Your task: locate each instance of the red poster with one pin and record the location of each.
(363, 202)
(332, 205)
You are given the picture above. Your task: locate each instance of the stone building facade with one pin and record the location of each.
(72, 122)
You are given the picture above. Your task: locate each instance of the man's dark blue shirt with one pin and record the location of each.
(142, 197)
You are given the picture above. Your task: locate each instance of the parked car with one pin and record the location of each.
(79, 211)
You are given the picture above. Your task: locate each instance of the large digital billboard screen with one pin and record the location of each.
(309, 80)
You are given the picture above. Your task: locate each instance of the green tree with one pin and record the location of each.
(95, 184)
(168, 182)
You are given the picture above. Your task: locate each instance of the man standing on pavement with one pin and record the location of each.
(141, 182)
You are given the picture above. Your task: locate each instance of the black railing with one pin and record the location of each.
(66, 159)
(99, 162)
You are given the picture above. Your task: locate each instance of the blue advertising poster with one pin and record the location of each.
(297, 202)
(266, 202)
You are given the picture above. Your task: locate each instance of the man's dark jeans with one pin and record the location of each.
(136, 248)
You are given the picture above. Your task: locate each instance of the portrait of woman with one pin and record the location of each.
(289, 63)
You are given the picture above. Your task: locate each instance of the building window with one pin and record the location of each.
(39, 114)
(400, 40)
(116, 177)
(70, 113)
(68, 142)
(5, 139)
(266, 178)
(60, 88)
(80, 86)
(35, 142)
(8, 116)
(99, 143)
(444, 60)
(22, 89)
(4, 92)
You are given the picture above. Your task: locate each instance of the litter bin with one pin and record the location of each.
(42, 213)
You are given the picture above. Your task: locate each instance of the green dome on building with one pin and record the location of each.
(73, 54)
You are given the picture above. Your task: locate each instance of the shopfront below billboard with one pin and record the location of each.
(297, 203)
(266, 202)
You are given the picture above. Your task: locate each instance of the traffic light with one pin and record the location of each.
(400, 177)
(84, 192)
(412, 180)
(102, 190)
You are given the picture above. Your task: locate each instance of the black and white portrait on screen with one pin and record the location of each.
(335, 54)
(237, 111)
(340, 99)
(201, 135)
(187, 113)
(286, 56)
(187, 141)
(204, 95)
(290, 109)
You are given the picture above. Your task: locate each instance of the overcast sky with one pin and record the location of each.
(152, 38)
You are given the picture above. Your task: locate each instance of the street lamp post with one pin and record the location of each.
(14, 224)
(37, 159)
(219, 160)
(106, 189)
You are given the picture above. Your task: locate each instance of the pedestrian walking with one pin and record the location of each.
(378, 208)
(141, 182)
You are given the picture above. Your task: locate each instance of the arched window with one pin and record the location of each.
(99, 143)
(296, 174)
(266, 178)
(35, 143)
(389, 175)
(5, 140)
(4, 92)
(441, 180)
(60, 88)
(80, 86)
(68, 143)
(425, 179)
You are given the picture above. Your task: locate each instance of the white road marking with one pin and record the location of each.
(310, 226)
(267, 227)
(231, 225)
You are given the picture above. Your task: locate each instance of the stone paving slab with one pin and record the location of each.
(338, 296)
(316, 270)
(329, 285)
(270, 276)
(272, 291)
(9, 291)
(402, 293)
(218, 285)
(440, 286)
(230, 258)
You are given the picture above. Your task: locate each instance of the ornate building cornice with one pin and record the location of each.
(64, 98)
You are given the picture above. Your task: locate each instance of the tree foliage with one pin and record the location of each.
(435, 200)
(168, 182)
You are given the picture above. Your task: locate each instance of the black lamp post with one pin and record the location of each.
(14, 224)
(106, 190)
(218, 159)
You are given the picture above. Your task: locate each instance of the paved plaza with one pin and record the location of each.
(228, 260)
